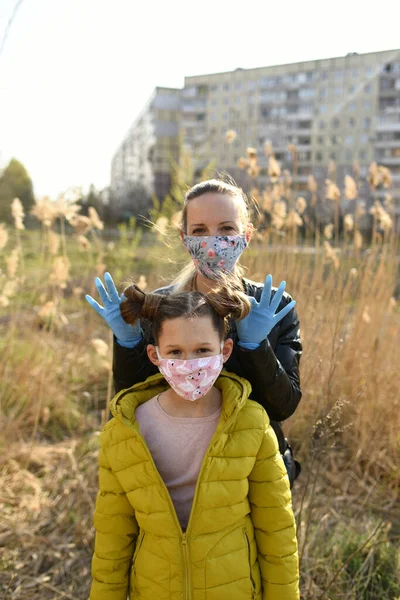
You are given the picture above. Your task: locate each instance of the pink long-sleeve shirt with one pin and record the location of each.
(177, 445)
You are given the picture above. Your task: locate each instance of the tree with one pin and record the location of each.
(15, 183)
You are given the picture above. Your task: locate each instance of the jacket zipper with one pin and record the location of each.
(185, 549)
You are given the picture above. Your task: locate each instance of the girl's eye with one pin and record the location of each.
(175, 352)
(203, 350)
(228, 228)
(198, 231)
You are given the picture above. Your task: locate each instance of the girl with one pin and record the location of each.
(215, 230)
(194, 498)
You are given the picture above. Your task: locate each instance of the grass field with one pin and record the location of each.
(55, 373)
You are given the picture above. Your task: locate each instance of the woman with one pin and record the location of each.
(194, 497)
(215, 230)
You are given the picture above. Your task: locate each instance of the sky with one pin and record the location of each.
(74, 74)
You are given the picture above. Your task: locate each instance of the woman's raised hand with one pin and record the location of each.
(127, 335)
(263, 316)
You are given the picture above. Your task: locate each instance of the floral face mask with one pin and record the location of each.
(215, 254)
(191, 379)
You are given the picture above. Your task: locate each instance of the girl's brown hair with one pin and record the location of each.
(157, 308)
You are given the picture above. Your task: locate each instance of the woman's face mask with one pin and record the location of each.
(215, 254)
(193, 378)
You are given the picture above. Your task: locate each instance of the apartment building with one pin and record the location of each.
(344, 109)
(142, 162)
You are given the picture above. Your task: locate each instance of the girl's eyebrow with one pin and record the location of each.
(200, 344)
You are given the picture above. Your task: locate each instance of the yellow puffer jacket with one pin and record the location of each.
(240, 543)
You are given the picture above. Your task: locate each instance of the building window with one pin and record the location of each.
(364, 138)
(351, 122)
(369, 71)
(225, 116)
(349, 139)
(367, 122)
(339, 75)
(354, 74)
(338, 91)
(251, 85)
(362, 154)
(352, 107)
(320, 139)
(367, 88)
(322, 124)
(324, 75)
(226, 86)
(306, 93)
(214, 101)
(322, 108)
(349, 155)
(335, 123)
(352, 89)
(214, 88)
(368, 104)
(323, 92)
(318, 156)
(238, 85)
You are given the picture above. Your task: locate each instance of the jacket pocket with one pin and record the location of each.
(253, 583)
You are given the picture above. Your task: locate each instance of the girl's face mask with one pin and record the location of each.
(191, 379)
(215, 254)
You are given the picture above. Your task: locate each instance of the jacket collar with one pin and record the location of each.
(235, 391)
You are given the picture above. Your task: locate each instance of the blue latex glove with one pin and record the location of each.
(127, 336)
(262, 318)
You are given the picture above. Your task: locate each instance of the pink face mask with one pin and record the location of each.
(191, 379)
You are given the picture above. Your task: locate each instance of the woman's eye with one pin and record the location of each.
(228, 228)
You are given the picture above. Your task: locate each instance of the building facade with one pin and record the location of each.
(344, 109)
(141, 165)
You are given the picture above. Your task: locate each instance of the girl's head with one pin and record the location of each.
(187, 324)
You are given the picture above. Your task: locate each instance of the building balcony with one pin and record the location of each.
(388, 160)
(387, 143)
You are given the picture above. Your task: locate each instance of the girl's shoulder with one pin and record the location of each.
(252, 416)
(114, 432)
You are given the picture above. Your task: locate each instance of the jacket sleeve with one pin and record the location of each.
(116, 534)
(273, 521)
(274, 375)
(131, 365)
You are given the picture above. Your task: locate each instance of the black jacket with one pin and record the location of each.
(272, 369)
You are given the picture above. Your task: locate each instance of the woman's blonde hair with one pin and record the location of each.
(185, 280)
(227, 301)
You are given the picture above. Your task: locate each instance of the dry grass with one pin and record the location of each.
(55, 385)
